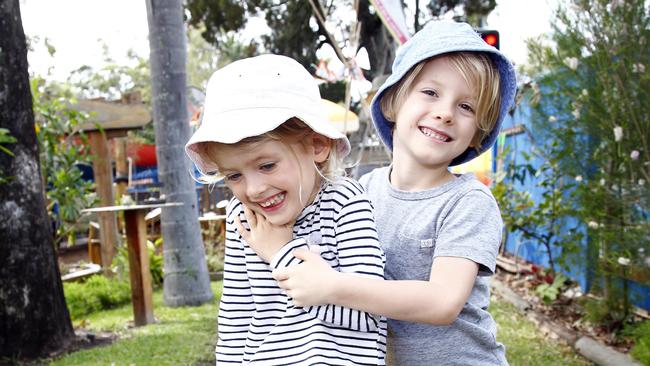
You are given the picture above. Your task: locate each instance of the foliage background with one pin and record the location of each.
(588, 84)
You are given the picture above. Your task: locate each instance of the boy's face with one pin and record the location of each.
(274, 179)
(437, 121)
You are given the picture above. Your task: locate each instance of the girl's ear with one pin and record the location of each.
(320, 146)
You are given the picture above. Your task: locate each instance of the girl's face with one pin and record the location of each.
(273, 178)
(437, 121)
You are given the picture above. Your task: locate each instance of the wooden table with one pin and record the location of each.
(205, 218)
(136, 237)
(211, 218)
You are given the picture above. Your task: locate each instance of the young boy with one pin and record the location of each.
(442, 106)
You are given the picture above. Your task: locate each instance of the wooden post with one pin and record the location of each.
(94, 244)
(141, 296)
(121, 167)
(104, 187)
(121, 174)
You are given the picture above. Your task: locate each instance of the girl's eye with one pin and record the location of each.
(467, 107)
(267, 166)
(431, 93)
(233, 177)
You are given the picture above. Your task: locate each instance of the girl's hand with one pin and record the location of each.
(264, 238)
(309, 283)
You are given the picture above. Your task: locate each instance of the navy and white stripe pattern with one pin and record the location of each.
(258, 323)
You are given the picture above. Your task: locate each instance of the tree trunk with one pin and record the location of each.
(379, 43)
(186, 274)
(34, 320)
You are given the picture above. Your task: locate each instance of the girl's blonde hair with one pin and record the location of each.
(291, 131)
(479, 72)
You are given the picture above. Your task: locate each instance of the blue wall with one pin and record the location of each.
(524, 248)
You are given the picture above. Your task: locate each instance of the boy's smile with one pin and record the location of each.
(274, 179)
(437, 121)
(435, 134)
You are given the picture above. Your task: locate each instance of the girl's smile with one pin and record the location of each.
(274, 202)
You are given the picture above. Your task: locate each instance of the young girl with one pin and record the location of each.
(443, 105)
(264, 132)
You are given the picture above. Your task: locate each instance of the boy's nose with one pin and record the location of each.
(444, 113)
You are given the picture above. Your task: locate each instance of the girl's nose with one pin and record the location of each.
(255, 187)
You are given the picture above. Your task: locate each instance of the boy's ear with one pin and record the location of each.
(320, 146)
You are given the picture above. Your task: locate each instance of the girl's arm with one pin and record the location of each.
(236, 307)
(358, 254)
(437, 301)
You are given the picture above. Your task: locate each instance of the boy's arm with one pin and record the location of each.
(236, 307)
(468, 242)
(437, 301)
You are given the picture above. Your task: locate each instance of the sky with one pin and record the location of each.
(75, 28)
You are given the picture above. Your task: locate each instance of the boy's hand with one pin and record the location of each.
(309, 283)
(264, 238)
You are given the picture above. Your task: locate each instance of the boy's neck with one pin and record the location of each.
(411, 177)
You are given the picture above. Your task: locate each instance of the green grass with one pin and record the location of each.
(181, 336)
(187, 336)
(525, 344)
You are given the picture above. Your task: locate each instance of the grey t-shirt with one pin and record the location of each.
(458, 219)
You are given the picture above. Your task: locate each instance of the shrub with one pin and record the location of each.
(97, 293)
(120, 264)
(155, 262)
(640, 333)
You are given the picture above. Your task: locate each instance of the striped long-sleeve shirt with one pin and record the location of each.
(258, 323)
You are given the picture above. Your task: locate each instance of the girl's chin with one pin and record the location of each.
(279, 222)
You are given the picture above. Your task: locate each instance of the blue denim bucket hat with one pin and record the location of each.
(437, 38)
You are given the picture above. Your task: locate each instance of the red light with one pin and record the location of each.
(491, 39)
(490, 36)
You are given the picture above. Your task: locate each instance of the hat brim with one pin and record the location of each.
(258, 121)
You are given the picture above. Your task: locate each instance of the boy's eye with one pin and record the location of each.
(233, 177)
(267, 166)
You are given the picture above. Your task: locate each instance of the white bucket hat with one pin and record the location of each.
(253, 96)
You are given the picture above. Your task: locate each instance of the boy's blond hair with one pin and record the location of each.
(293, 130)
(479, 72)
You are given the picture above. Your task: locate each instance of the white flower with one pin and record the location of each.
(578, 178)
(617, 3)
(592, 224)
(585, 92)
(576, 113)
(638, 68)
(618, 133)
(641, 182)
(624, 261)
(571, 62)
(634, 154)
(552, 119)
(641, 250)
(602, 181)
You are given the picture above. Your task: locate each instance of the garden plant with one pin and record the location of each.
(589, 92)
